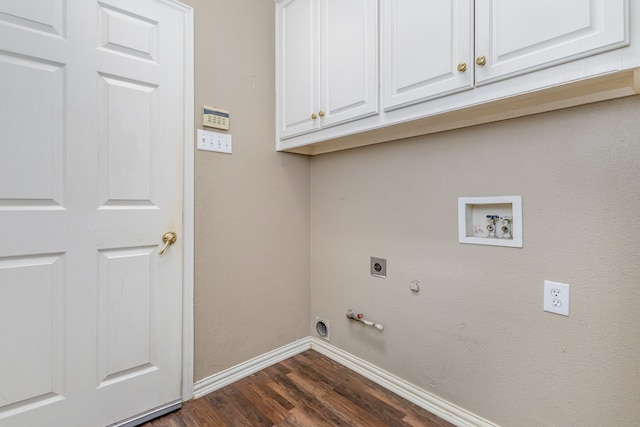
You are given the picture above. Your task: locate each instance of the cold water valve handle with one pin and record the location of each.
(491, 228)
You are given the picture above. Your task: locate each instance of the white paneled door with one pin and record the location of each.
(91, 141)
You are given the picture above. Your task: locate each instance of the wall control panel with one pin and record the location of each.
(215, 118)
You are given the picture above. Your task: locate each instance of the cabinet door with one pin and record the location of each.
(517, 36)
(298, 67)
(349, 47)
(424, 42)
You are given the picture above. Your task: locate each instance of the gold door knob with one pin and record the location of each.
(462, 67)
(481, 60)
(313, 116)
(169, 238)
(321, 113)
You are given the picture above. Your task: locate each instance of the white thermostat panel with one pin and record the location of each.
(215, 118)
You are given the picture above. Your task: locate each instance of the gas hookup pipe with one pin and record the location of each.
(359, 317)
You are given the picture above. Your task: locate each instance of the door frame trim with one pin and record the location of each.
(188, 209)
(188, 213)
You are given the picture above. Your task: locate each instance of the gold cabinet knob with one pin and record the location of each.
(462, 67)
(481, 60)
(321, 113)
(313, 116)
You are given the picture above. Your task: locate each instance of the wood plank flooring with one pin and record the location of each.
(307, 390)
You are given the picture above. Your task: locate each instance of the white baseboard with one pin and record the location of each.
(228, 376)
(432, 403)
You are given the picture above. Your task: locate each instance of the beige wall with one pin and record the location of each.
(252, 207)
(476, 334)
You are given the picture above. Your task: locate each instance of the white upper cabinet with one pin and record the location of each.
(426, 49)
(443, 64)
(349, 46)
(299, 66)
(428, 46)
(518, 36)
(327, 63)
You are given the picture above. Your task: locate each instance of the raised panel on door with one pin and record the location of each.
(39, 16)
(424, 42)
(30, 137)
(128, 113)
(299, 71)
(125, 313)
(32, 362)
(518, 36)
(349, 45)
(127, 33)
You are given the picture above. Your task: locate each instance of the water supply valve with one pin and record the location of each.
(491, 228)
(506, 227)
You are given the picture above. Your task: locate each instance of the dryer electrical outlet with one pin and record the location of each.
(378, 267)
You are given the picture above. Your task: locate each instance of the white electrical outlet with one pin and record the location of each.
(556, 297)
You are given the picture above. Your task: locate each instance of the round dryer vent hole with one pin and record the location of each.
(322, 328)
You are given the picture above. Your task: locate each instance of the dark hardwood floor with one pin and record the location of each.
(307, 390)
